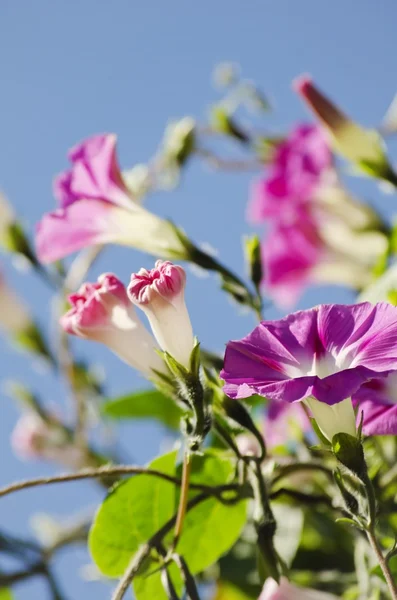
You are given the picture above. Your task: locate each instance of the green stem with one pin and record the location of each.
(392, 584)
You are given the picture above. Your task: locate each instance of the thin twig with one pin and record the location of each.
(183, 498)
(392, 584)
(111, 471)
(293, 468)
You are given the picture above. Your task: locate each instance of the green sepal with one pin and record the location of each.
(325, 441)
(15, 240)
(350, 453)
(352, 504)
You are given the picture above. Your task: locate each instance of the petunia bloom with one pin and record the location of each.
(95, 207)
(321, 356)
(102, 312)
(160, 293)
(300, 165)
(287, 591)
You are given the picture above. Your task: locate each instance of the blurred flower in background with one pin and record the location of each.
(317, 232)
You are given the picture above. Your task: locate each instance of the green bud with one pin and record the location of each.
(349, 452)
(14, 240)
(31, 339)
(252, 247)
(222, 122)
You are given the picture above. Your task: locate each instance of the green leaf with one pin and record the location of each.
(140, 506)
(133, 511)
(6, 594)
(147, 404)
(147, 585)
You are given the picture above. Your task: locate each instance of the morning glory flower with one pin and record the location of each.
(300, 165)
(102, 312)
(95, 207)
(321, 356)
(316, 232)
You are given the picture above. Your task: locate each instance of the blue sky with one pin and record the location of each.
(71, 69)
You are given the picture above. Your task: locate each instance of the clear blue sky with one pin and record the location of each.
(72, 68)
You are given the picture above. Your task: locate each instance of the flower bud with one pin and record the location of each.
(14, 316)
(362, 146)
(102, 312)
(160, 294)
(34, 438)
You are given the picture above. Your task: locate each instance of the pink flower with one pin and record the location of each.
(300, 165)
(318, 246)
(288, 591)
(102, 312)
(322, 356)
(96, 208)
(160, 293)
(377, 400)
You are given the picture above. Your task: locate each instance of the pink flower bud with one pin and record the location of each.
(160, 294)
(102, 312)
(349, 139)
(33, 438)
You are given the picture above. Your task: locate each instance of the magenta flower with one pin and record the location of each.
(160, 293)
(300, 165)
(102, 312)
(377, 400)
(322, 356)
(290, 255)
(287, 591)
(95, 208)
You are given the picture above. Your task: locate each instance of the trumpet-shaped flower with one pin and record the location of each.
(322, 356)
(317, 247)
(377, 402)
(160, 293)
(95, 208)
(318, 234)
(287, 591)
(102, 312)
(300, 164)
